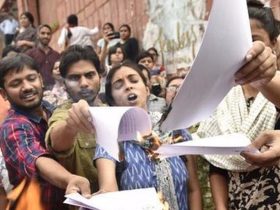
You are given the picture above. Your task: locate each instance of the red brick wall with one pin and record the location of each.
(30, 6)
(90, 12)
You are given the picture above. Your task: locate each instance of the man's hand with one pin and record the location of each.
(271, 156)
(78, 184)
(260, 67)
(80, 118)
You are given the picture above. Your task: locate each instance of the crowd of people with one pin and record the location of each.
(47, 136)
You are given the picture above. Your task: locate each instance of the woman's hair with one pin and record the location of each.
(153, 49)
(29, 16)
(110, 25)
(265, 16)
(144, 68)
(113, 50)
(144, 54)
(108, 85)
(127, 26)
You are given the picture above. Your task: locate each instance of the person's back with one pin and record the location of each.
(73, 34)
(81, 36)
(9, 27)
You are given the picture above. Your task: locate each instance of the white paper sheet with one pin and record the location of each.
(225, 44)
(231, 144)
(140, 199)
(113, 124)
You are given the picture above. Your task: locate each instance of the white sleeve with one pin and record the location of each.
(100, 43)
(62, 38)
(93, 31)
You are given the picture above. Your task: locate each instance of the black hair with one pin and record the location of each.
(173, 78)
(153, 49)
(8, 49)
(144, 68)
(110, 25)
(265, 16)
(29, 16)
(144, 54)
(72, 20)
(16, 63)
(113, 50)
(76, 53)
(44, 26)
(127, 26)
(108, 84)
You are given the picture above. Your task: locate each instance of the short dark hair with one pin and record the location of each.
(76, 53)
(108, 84)
(144, 54)
(44, 26)
(72, 20)
(16, 63)
(29, 16)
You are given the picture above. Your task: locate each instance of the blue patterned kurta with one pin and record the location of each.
(138, 171)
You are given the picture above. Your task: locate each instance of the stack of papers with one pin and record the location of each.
(140, 199)
(231, 144)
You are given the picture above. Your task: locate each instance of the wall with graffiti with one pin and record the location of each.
(175, 28)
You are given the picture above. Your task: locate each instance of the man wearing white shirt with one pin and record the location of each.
(8, 27)
(73, 34)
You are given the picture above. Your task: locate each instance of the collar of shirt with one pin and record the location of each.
(42, 51)
(35, 118)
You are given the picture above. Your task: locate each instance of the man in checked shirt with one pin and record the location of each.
(22, 134)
